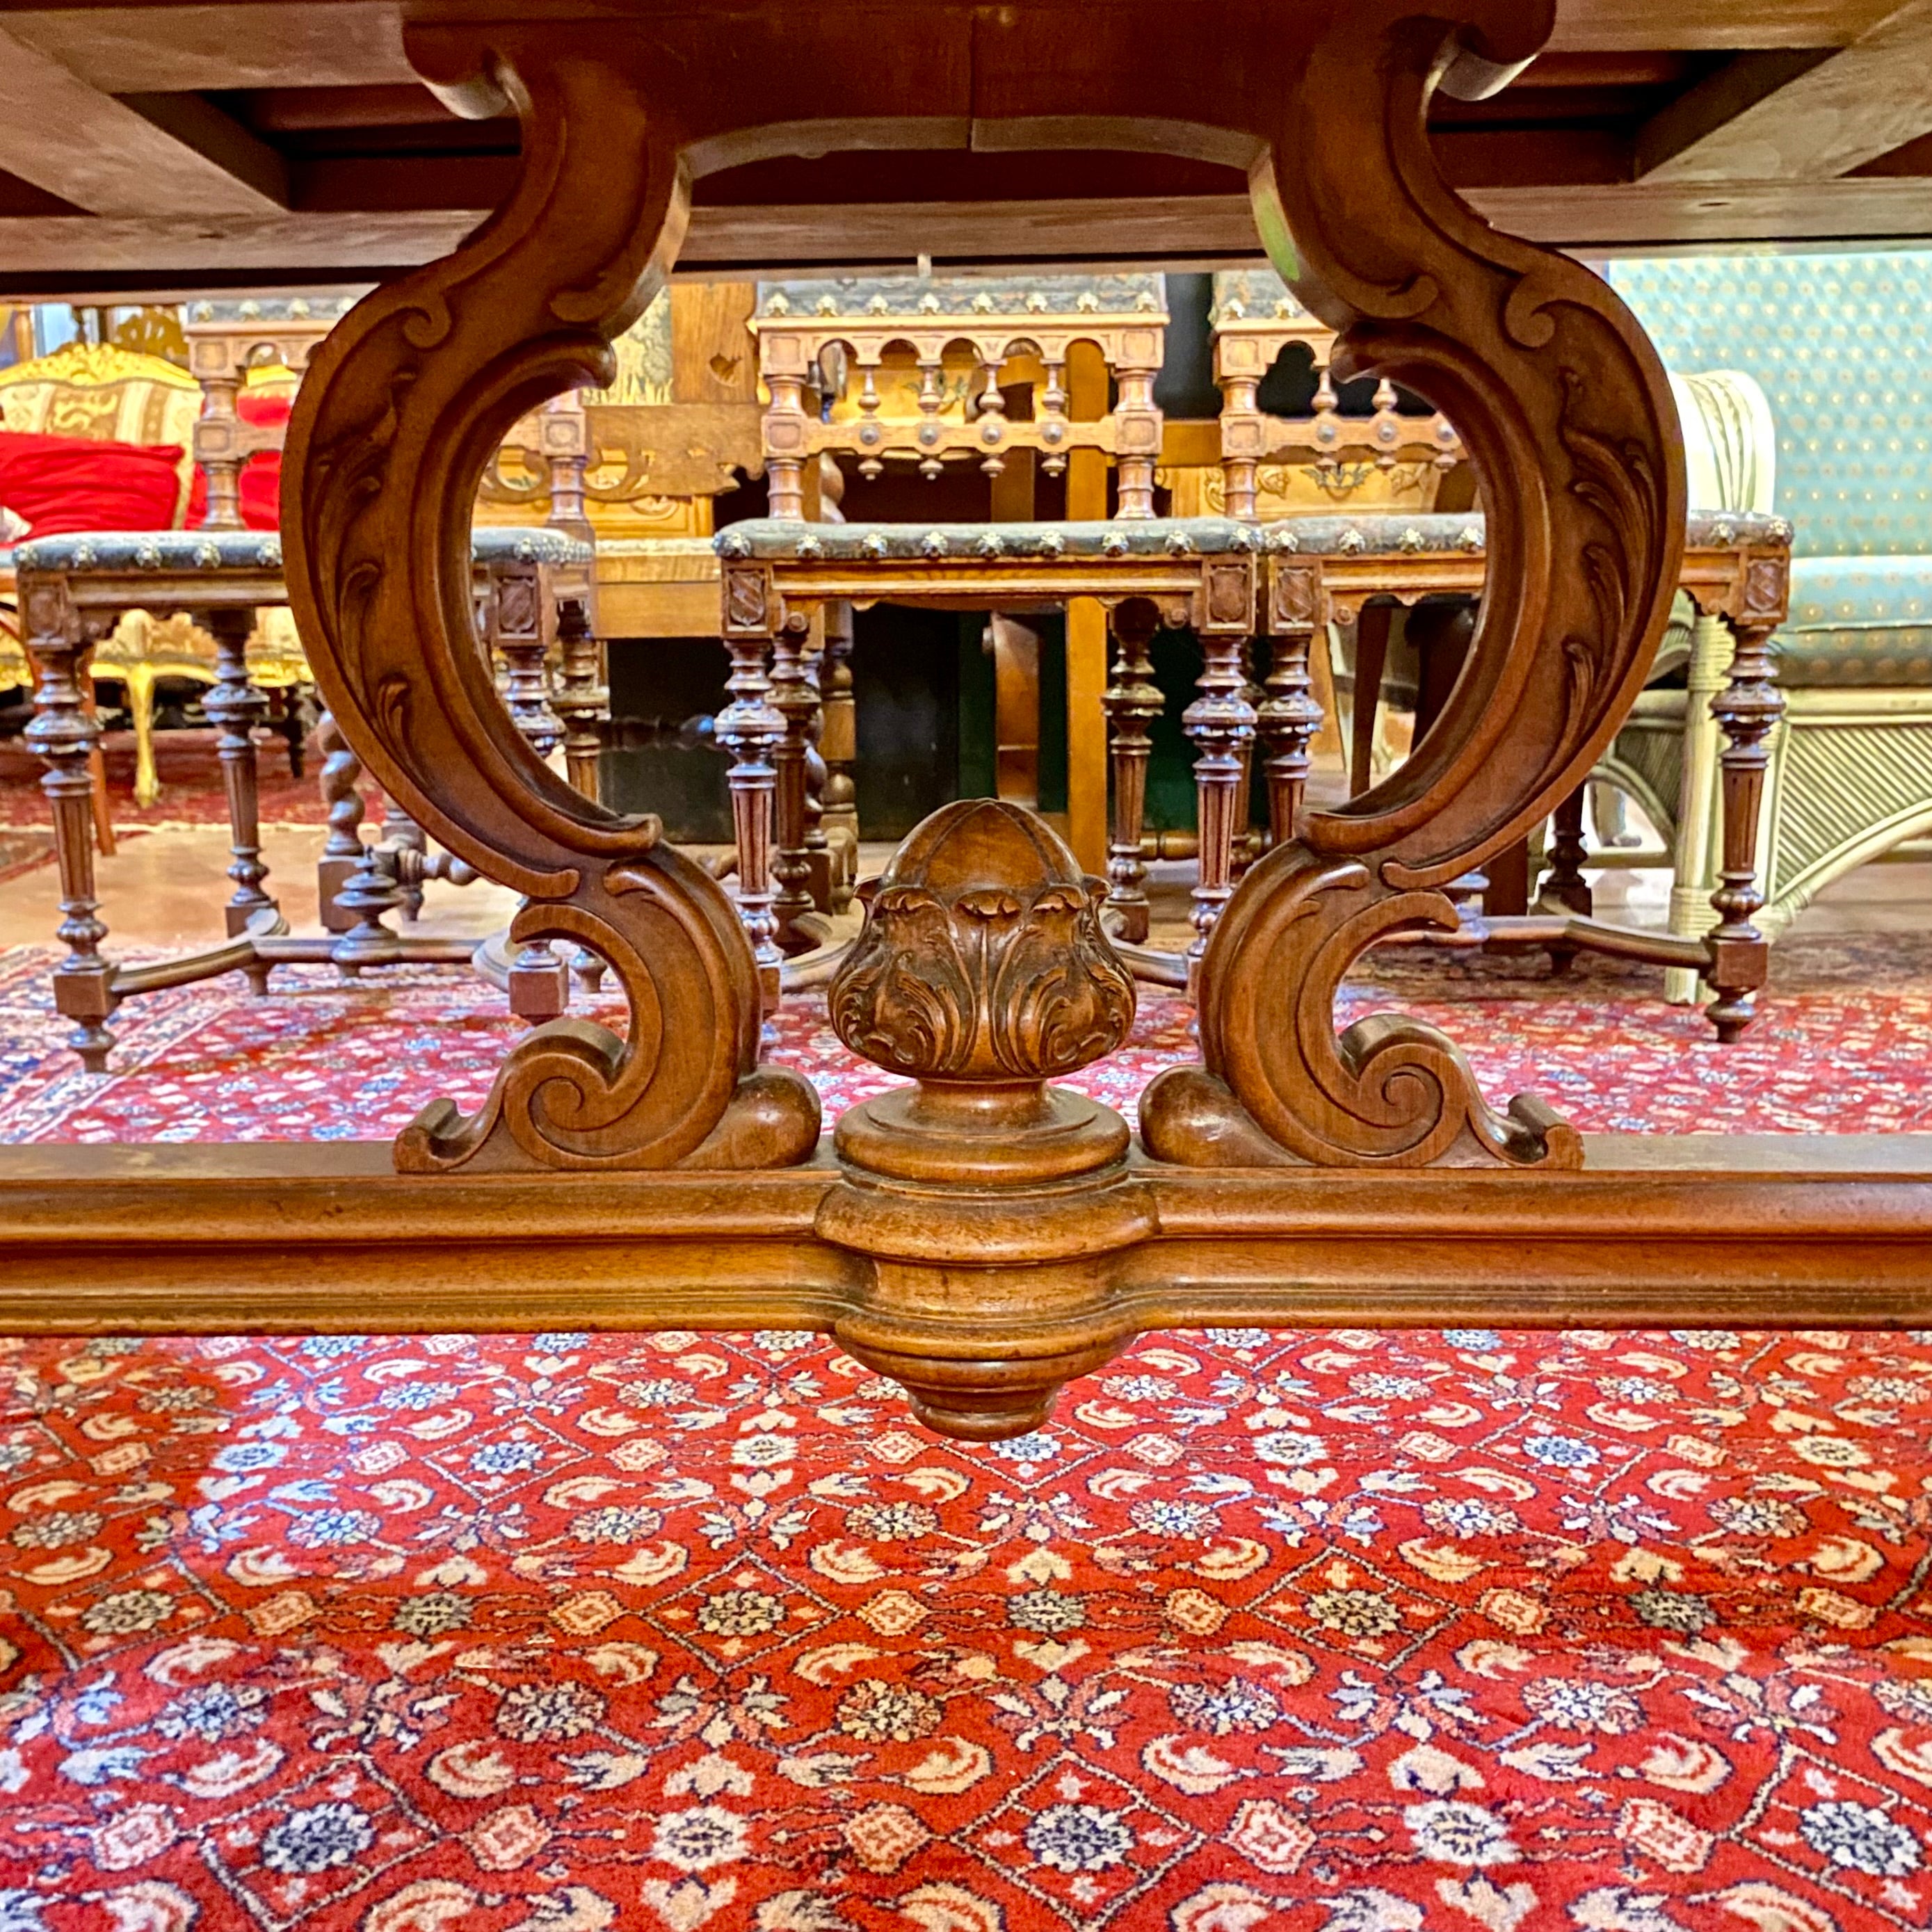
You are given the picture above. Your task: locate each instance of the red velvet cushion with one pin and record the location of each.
(64, 484)
(261, 487)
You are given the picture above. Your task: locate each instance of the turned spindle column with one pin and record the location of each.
(342, 798)
(838, 745)
(218, 453)
(1564, 884)
(1132, 703)
(64, 733)
(582, 699)
(1288, 716)
(1221, 722)
(1747, 710)
(539, 986)
(795, 702)
(749, 728)
(235, 707)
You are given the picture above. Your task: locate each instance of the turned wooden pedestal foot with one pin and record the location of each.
(984, 908)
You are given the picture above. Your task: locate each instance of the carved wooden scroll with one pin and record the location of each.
(1561, 403)
(1564, 406)
(402, 409)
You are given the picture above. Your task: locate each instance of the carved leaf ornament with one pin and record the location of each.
(1558, 396)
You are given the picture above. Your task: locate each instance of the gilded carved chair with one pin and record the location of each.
(1819, 336)
(105, 393)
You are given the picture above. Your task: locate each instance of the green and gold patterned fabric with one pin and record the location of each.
(1839, 344)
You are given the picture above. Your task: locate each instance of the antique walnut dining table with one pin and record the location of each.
(980, 1234)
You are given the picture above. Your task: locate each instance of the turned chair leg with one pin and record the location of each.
(1287, 720)
(539, 981)
(838, 745)
(236, 707)
(64, 733)
(1132, 703)
(1372, 637)
(1747, 710)
(343, 799)
(1564, 884)
(139, 685)
(748, 728)
(1692, 871)
(1221, 722)
(104, 840)
(793, 698)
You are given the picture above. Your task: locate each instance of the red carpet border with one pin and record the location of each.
(1289, 1632)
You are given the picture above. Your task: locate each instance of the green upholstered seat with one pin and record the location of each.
(1835, 342)
(1857, 620)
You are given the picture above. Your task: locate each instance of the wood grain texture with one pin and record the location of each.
(103, 155)
(94, 257)
(1767, 117)
(1657, 1230)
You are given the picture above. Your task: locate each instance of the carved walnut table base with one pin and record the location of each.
(980, 1235)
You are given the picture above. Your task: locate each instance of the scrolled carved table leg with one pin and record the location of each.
(395, 420)
(1567, 414)
(1747, 710)
(1133, 702)
(237, 707)
(64, 733)
(983, 971)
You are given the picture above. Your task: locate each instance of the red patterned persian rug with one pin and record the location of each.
(1344, 1632)
(1841, 1047)
(1354, 1632)
(190, 771)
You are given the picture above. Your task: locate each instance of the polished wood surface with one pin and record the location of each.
(1778, 1230)
(982, 1235)
(235, 153)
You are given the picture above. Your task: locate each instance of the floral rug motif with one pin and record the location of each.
(1841, 1047)
(1344, 1632)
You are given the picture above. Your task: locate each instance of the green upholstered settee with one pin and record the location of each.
(1837, 345)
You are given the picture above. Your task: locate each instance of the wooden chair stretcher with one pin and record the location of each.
(979, 1233)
